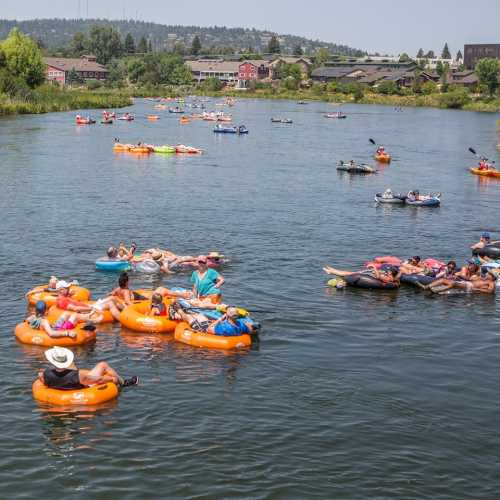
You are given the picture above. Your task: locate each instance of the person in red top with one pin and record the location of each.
(66, 303)
(158, 308)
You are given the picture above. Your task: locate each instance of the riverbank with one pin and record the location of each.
(456, 99)
(49, 98)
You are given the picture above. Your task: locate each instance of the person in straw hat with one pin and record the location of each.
(64, 375)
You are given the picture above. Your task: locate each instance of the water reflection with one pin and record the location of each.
(69, 429)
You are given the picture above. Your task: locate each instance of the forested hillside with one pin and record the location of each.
(57, 33)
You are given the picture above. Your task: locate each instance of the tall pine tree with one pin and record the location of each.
(446, 52)
(273, 47)
(420, 54)
(129, 44)
(196, 46)
(142, 47)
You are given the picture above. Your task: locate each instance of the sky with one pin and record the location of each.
(385, 26)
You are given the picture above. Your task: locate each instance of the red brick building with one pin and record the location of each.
(59, 68)
(253, 70)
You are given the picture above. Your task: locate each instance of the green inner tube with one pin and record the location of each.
(164, 149)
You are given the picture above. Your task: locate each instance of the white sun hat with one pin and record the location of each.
(60, 357)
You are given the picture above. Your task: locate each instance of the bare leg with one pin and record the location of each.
(102, 370)
(338, 272)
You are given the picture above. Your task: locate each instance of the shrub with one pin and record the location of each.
(388, 88)
(429, 88)
(456, 99)
(94, 84)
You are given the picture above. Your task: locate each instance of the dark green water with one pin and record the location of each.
(348, 395)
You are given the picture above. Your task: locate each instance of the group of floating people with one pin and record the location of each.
(64, 316)
(146, 149)
(153, 260)
(479, 275)
(108, 118)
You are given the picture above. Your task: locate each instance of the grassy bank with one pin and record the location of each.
(457, 99)
(48, 98)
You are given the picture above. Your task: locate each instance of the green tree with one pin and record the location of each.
(79, 44)
(439, 68)
(417, 81)
(359, 92)
(444, 77)
(150, 46)
(298, 51)
(179, 49)
(212, 84)
(73, 76)
(273, 47)
(142, 47)
(430, 55)
(387, 87)
(321, 56)
(459, 55)
(404, 57)
(429, 88)
(105, 43)
(129, 44)
(196, 46)
(420, 54)
(456, 99)
(446, 54)
(23, 58)
(488, 71)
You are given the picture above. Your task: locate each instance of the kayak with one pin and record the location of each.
(177, 111)
(491, 172)
(395, 199)
(164, 149)
(230, 130)
(126, 118)
(492, 251)
(356, 169)
(281, 120)
(180, 148)
(153, 118)
(140, 150)
(383, 158)
(108, 121)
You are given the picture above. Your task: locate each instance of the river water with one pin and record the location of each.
(348, 394)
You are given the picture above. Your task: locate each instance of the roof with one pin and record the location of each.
(374, 77)
(290, 60)
(78, 64)
(326, 72)
(219, 66)
(256, 62)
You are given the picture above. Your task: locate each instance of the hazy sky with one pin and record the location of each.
(391, 26)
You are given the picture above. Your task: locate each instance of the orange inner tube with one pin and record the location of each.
(136, 318)
(27, 335)
(210, 341)
(38, 293)
(96, 394)
(140, 150)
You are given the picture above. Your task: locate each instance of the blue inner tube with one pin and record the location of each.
(432, 202)
(413, 279)
(112, 265)
(368, 282)
(147, 267)
(492, 251)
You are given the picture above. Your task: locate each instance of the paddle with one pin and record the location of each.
(373, 142)
(473, 151)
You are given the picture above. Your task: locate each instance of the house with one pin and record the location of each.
(432, 64)
(59, 69)
(255, 69)
(304, 63)
(474, 52)
(466, 78)
(225, 71)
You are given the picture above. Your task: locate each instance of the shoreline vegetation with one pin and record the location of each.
(50, 98)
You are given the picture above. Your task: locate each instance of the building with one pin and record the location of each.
(432, 64)
(255, 69)
(466, 78)
(86, 67)
(225, 71)
(304, 63)
(474, 52)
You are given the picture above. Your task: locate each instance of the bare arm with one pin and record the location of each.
(220, 281)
